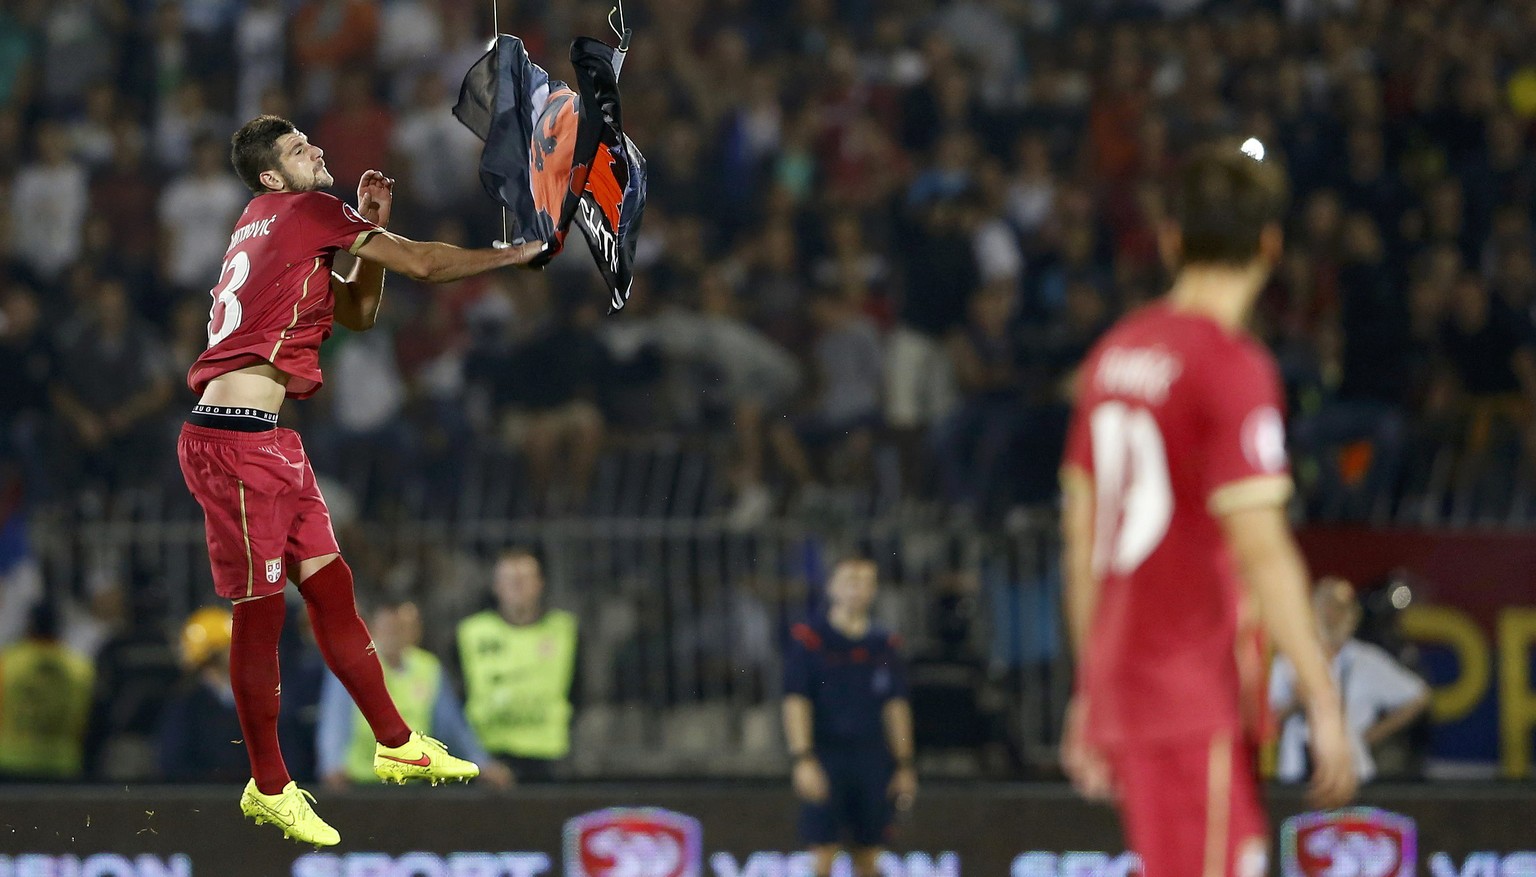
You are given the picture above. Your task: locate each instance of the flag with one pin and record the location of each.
(556, 155)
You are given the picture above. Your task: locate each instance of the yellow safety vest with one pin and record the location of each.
(45, 702)
(517, 682)
(414, 687)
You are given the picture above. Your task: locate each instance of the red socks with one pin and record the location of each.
(253, 674)
(348, 649)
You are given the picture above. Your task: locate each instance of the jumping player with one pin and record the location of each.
(1175, 483)
(265, 519)
(848, 724)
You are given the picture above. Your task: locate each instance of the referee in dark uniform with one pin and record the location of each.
(848, 724)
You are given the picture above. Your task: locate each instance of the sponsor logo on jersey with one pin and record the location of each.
(633, 842)
(1357, 842)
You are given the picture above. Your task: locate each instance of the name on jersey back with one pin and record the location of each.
(1144, 373)
(257, 229)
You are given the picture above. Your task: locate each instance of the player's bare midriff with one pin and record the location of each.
(261, 386)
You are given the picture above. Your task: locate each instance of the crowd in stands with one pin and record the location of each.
(872, 226)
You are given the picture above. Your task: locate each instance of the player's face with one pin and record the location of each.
(853, 587)
(301, 164)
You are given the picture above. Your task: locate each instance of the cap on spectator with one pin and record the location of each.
(208, 630)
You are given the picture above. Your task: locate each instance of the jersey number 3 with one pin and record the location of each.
(224, 319)
(1134, 498)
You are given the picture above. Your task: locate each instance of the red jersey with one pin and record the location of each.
(274, 302)
(1178, 421)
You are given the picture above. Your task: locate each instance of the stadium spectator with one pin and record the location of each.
(1381, 697)
(260, 52)
(1367, 350)
(48, 204)
(110, 385)
(327, 37)
(421, 691)
(90, 134)
(844, 410)
(45, 702)
(199, 731)
(973, 445)
(127, 192)
(184, 119)
(196, 211)
(436, 155)
(1491, 378)
(749, 380)
(553, 379)
(357, 128)
(26, 359)
(519, 665)
(137, 670)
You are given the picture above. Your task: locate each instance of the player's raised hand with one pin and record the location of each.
(531, 254)
(375, 197)
(1334, 779)
(1083, 764)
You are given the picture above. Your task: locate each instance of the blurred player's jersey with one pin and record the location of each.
(1178, 421)
(273, 302)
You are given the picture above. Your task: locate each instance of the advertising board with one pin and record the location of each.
(721, 831)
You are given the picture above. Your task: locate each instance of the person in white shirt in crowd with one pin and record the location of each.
(1381, 696)
(196, 213)
(48, 204)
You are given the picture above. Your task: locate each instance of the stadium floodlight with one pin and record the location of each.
(1253, 147)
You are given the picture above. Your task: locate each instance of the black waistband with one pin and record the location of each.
(237, 419)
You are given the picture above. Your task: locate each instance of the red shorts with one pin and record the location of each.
(1193, 808)
(262, 509)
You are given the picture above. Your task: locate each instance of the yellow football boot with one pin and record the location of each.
(290, 811)
(421, 758)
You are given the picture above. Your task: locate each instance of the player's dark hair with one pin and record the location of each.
(253, 149)
(1223, 201)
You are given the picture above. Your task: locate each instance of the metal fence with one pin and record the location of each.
(683, 621)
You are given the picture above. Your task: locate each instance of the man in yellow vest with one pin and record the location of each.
(519, 662)
(45, 703)
(416, 682)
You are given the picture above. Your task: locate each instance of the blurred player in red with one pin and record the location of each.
(265, 519)
(1176, 542)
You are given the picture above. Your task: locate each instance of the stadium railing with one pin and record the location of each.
(683, 621)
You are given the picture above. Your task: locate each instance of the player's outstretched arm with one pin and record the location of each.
(1272, 567)
(436, 262)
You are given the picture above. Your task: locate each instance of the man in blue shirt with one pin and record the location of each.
(420, 689)
(848, 723)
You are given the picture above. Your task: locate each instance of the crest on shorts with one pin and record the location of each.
(274, 570)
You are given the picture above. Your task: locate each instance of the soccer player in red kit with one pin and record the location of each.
(1176, 541)
(265, 519)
